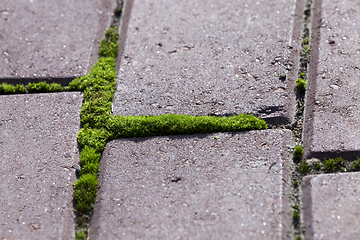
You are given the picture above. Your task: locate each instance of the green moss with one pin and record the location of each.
(302, 75)
(298, 152)
(89, 161)
(301, 85)
(56, 87)
(331, 165)
(170, 124)
(102, 73)
(306, 48)
(81, 235)
(355, 166)
(317, 167)
(305, 41)
(41, 87)
(93, 138)
(296, 214)
(303, 167)
(295, 184)
(109, 45)
(85, 192)
(305, 44)
(11, 89)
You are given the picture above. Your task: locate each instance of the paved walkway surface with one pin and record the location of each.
(185, 57)
(38, 155)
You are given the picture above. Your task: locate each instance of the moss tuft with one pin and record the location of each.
(102, 73)
(11, 89)
(89, 161)
(81, 235)
(41, 87)
(298, 152)
(85, 192)
(317, 167)
(355, 166)
(331, 165)
(170, 124)
(93, 138)
(56, 87)
(305, 41)
(301, 85)
(296, 214)
(303, 167)
(109, 45)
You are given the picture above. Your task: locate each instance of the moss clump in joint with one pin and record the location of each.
(301, 85)
(170, 124)
(355, 166)
(331, 164)
(41, 87)
(303, 167)
(298, 152)
(109, 45)
(11, 89)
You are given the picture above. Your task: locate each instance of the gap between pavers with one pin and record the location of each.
(330, 208)
(38, 145)
(203, 186)
(210, 58)
(332, 126)
(50, 40)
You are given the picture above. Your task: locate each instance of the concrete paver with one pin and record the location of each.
(331, 206)
(210, 57)
(50, 39)
(215, 186)
(38, 149)
(332, 120)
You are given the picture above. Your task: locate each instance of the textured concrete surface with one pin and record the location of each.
(332, 206)
(38, 149)
(332, 126)
(210, 57)
(51, 39)
(216, 186)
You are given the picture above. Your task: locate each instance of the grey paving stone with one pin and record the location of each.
(210, 57)
(51, 39)
(215, 186)
(38, 149)
(332, 122)
(331, 206)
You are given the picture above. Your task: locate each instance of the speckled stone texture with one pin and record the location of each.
(51, 39)
(332, 206)
(214, 186)
(210, 57)
(38, 149)
(332, 122)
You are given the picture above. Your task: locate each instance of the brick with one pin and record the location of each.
(331, 205)
(50, 39)
(210, 57)
(332, 119)
(214, 186)
(38, 149)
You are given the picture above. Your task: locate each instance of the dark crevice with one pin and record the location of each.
(271, 109)
(176, 179)
(63, 81)
(296, 127)
(348, 155)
